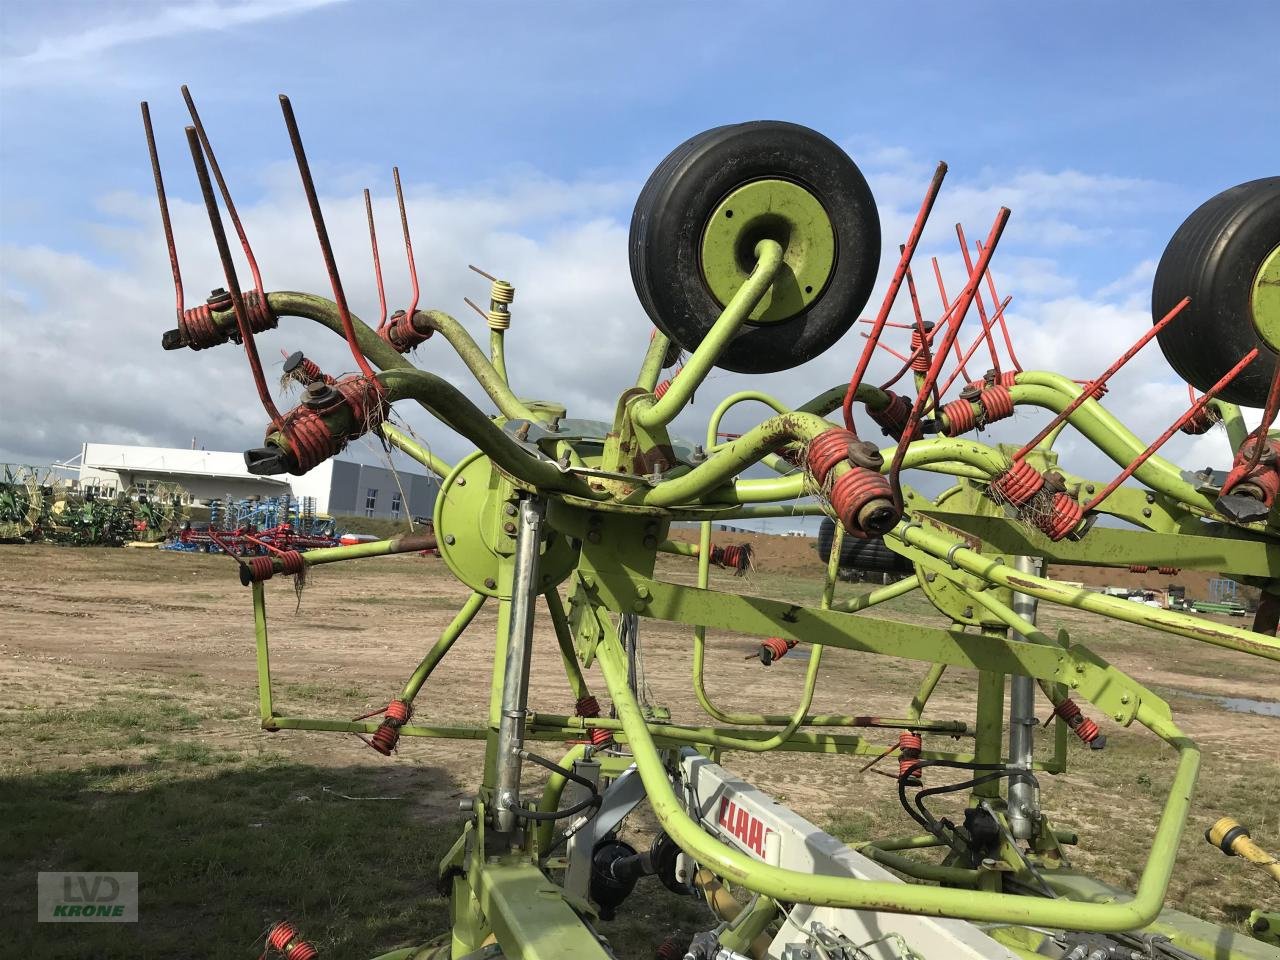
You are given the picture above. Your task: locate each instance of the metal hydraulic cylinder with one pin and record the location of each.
(515, 682)
(1024, 802)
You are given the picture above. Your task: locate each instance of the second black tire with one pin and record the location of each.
(855, 554)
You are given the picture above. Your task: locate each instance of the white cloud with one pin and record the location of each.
(82, 359)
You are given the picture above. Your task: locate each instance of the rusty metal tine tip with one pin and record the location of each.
(492, 279)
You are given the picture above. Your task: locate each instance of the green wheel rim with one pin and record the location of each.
(776, 210)
(1265, 301)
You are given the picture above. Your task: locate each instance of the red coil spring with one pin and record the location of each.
(200, 331)
(1168, 571)
(308, 372)
(909, 746)
(260, 568)
(1138, 568)
(1264, 478)
(997, 402)
(1006, 379)
(661, 389)
(1082, 726)
(920, 361)
(1202, 422)
(396, 715)
(401, 334)
(398, 712)
(1019, 483)
(774, 648)
(959, 417)
(856, 488)
(599, 736)
(892, 419)
(735, 556)
(284, 938)
(309, 438)
(1066, 516)
(1095, 389)
(367, 399)
(291, 562)
(588, 706)
(672, 947)
(826, 450)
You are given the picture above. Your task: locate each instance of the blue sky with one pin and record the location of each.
(524, 131)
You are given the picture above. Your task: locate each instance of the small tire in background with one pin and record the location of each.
(1217, 257)
(855, 554)
(707, 204)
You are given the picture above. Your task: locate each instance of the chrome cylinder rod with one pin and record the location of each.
(515, 680)
(1024, 801)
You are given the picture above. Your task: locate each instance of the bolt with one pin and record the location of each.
(642, 592)
(1079, 668)
(491, 583)
(462, 481)
(930, 577)
(510, 509)
(1124, 698)
(1146, 511)
(450, 539)
(967, 612)
(510, 528)
(467, 804)
(639, 605)
(1089, 488)
(217, 294)
(1119, 715)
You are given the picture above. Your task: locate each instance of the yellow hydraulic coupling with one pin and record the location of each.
(1229, 836)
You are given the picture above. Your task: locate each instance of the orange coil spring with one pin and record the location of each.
(367, 399)
(309, 438)
(774, 648)
(1082, 726)
(1066, 516)
(735, 557)
(588, 706)
(920, 361)
(960, 417)
(1019, 483)
(599, 736)
(401, 335)
(387, 735)
(997, 402)
(661, 389)
(1168, 571)
(1138, 568)
(1006, 379)
(854, 490)
(260, 568)
(284, 938)
(671, 948)
(826, 450)
(909, 746)
(892, 419)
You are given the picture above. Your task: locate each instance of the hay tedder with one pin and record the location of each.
(754, 248)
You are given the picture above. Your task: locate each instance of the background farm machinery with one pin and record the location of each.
(38, 506)
(253, 526)
(754, 247)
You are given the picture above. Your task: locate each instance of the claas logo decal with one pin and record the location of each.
(748, 829)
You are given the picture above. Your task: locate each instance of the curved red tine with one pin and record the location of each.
(946, 311)
(322, 234)
(377, 263)
(408, 243)
(984, 334)
(226, 194)
(229, 269)
(164, 211)
(1004, 328)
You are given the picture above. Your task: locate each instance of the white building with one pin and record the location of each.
(340, 487)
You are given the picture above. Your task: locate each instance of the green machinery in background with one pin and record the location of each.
(753, 248)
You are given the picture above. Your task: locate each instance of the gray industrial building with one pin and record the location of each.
(362, 490)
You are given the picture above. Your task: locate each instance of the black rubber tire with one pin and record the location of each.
(1213, 258)
(685, 189)
(855, 554)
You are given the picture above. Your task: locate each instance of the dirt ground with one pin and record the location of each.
(80, 627)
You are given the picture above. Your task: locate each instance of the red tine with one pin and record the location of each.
(946, 306)
(377, 263)
(982, 311)
(899, 274)
(322, 234)
(889, 349)
(229, 269)
(1177, 425)
(1259, 446)
(977, 342)
(995, 298)
(164, 211)
(1107, 374)
(408, 243)
(226, 194)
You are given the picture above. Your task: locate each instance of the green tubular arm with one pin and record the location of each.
(1232, 419)
(405, 543)
(498, 355)
(309, 307)
(1054, 392)
(564, 637)
(651, 366)
(941, 546)
(792, 886)
(402, 441)
(452, 407)
(442, 646)
(664, 410)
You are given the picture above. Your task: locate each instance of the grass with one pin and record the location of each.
(230, 829)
